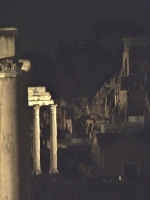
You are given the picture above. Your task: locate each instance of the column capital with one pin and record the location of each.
(10, 69)
(36, 108)
(53, 108)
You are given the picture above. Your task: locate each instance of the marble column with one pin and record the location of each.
(36, 141)
(53, 140)
(15, 171)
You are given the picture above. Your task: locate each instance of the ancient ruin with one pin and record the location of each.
(120, 107)
(79, 135)
(131, 85)
(14, 129)
(123, 102)
(37, 97)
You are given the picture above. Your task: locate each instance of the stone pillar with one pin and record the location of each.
(102, 127)
(63, 117)
(15, 168)
(36, 141)
(106, 109)
(37, 96)
(53, 140)
(126, 64)
(115, 94)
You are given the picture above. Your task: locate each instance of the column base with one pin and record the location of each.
(54, 172)
(37, 172)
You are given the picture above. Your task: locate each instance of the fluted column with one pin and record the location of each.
(53, 140)
(36, 141)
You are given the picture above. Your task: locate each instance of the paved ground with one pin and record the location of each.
(45, 187)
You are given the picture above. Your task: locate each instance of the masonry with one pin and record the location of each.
(14, 133)
(37, 97)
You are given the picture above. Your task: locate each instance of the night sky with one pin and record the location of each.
(42, 22)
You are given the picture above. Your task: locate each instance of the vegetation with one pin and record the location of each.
(79, 69)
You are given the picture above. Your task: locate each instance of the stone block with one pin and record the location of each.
(40, 102)
(7, 42)
(39, 98)
(36, 89)
(44, 94)
(39, 94)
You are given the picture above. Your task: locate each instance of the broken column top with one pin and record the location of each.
(8, 31)
(39, 96)
(7, 42)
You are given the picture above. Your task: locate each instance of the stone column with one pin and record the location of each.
(15, 168)
(53, 140)
(36, 141)
(126, 64)
(37, 96)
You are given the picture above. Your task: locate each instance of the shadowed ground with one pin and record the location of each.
(45, 187)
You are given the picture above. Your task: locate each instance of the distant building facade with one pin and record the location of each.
(124, 154)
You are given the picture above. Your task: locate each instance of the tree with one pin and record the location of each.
(109, 33)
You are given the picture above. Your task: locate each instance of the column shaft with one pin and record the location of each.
(36, 141)
(14, 140)
(53, 140)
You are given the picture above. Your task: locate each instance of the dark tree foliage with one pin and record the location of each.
(109, 33)
(80, 69)
(44, 70)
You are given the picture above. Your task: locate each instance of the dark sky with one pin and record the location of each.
(42, 22)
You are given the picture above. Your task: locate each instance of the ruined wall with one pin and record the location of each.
(96, 153)
(128, 150)
(133, 102)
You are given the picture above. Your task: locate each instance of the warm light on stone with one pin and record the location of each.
(53, 140)
(36, 141)
(37, 96)
(14, 129)
(7, 42)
